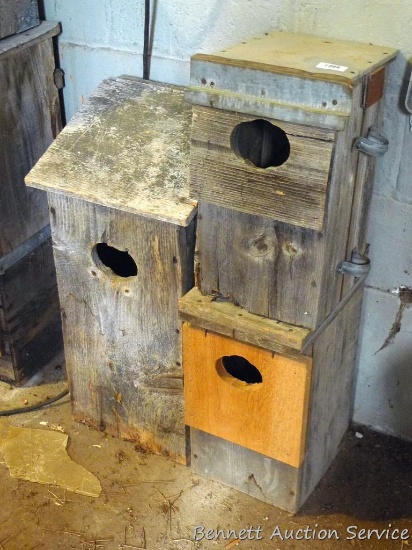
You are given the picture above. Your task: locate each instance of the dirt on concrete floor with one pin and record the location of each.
(150, 503)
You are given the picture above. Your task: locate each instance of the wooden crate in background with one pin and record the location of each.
(30, 328)
(18, 16)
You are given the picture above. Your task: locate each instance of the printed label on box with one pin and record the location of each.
(332, 67)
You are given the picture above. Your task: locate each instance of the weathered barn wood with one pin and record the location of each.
(281, 206)
(221, 316)
(30, 327)
(271, 236)
(18, 16)
(267, 267)
(329, 411)
(132, 143)
(285, 76)
(332, 394)
(123, 232)
(294, 192)
(29, 121)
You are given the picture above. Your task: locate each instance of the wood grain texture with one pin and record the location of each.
(17, 16)
(6, 369)
(331, 400)
(252, 473)
(122, 335)
(267, 417)
(339, 209)
(281, 52)
(29, 121)
(30, 327)
(373, 87)
(285, 272)
(329, 414)
(224, 318)
(133, 139)
(269, 268)
(294, 192)
(18, 42)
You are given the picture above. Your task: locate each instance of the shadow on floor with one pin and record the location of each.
(371, 479)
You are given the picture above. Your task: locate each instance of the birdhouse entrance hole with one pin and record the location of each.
(118, 261)
(261, 143)
(239, 368)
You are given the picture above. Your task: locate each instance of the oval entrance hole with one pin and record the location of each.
(261, 143)
(119, 261)
(240, 368)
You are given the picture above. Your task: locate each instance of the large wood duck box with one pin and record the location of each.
(284, 130)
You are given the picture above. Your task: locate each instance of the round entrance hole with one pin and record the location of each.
(238, 368)
(118, 261)
(261, 143)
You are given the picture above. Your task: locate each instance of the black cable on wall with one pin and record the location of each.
(146, 40)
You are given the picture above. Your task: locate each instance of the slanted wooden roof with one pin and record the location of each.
(127, 148)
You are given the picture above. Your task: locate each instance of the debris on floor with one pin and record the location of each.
(41, 456)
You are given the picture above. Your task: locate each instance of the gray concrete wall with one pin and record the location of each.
(103, 38)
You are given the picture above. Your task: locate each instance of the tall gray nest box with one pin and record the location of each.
(123, 238)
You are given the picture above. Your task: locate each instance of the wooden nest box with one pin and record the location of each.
(284, 130)
(123, 234)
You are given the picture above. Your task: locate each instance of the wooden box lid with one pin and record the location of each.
(223, 317)
(285, 70)
(127, 148)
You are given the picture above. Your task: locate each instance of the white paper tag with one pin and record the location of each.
(332, 67)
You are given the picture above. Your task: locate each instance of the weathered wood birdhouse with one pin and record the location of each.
(123, 233)
(284, 129)
(30, 330)
(275, 165)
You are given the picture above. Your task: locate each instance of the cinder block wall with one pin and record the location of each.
(103, 38)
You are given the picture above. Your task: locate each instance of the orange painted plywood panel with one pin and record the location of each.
(268, 417)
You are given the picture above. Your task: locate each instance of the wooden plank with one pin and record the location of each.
(282, 52)
(252, 473)
(268, 416)
(269, 268)
(285, 107)
(133, 138)
(31, 312)
(122, 334)
(6, 369)
(217, 127)
(19, 42)
(29, 122)
(294, 192)
(331, 394)
(338, 215)
(17, 16)
(373, 87)
(225, 318)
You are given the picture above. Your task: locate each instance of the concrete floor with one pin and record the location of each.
(151, 503)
